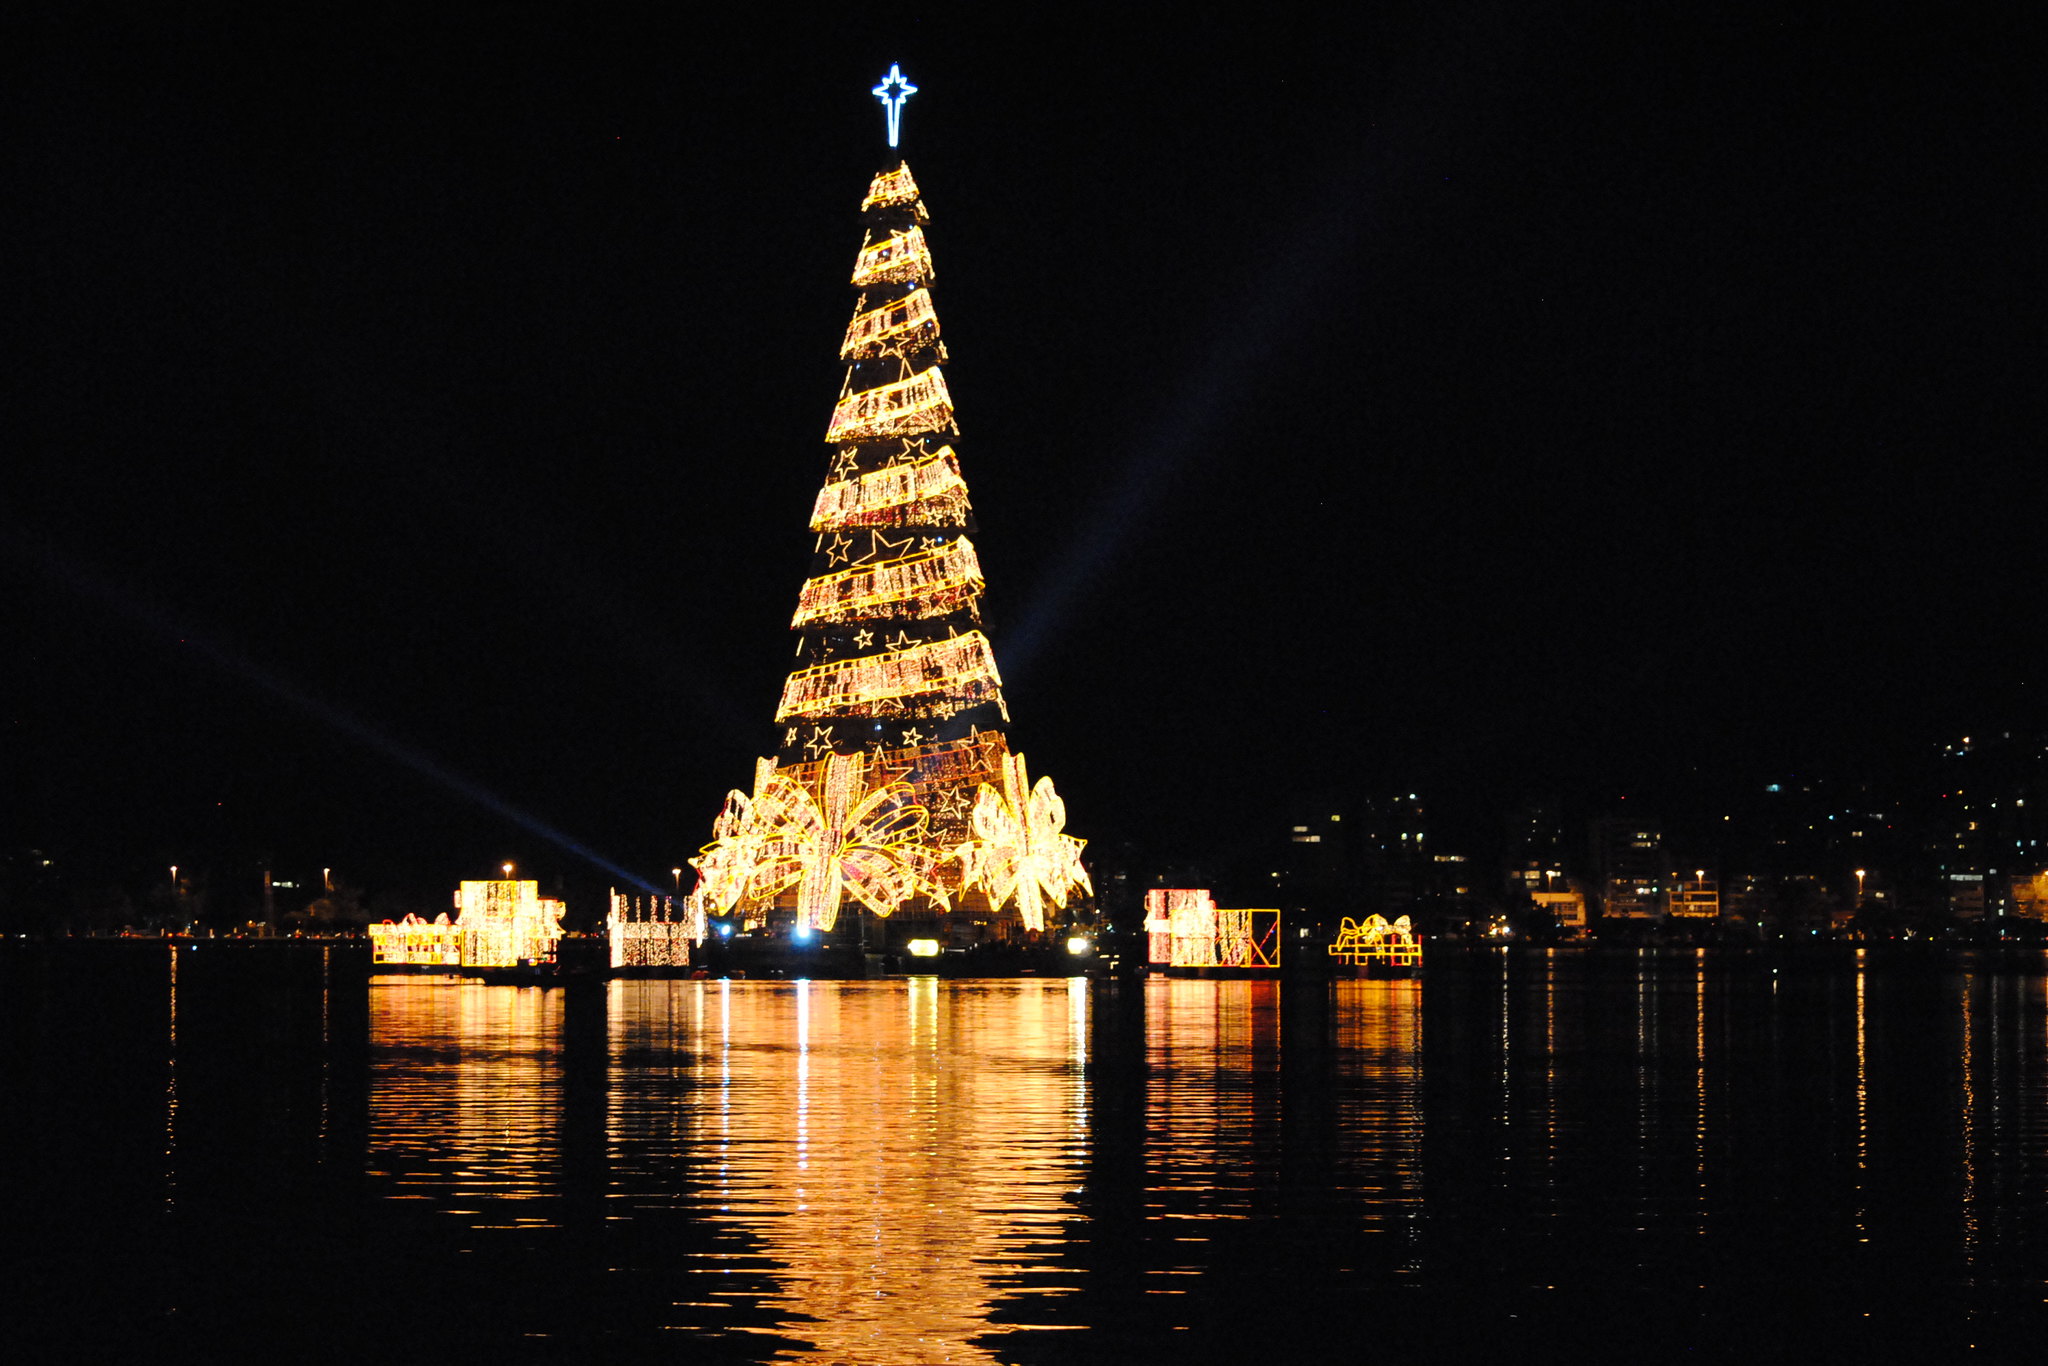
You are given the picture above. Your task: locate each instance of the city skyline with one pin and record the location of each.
(1442, 401)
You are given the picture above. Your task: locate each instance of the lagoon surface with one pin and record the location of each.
(220, 1148)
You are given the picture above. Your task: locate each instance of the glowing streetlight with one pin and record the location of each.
(1859, 887)
(677, 873)
(508, 872)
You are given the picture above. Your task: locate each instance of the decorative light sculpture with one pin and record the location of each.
(653, 931)
(505, 922)
(893, 785)
(1186, 929)
(416, 943)
(1376, 941)
(500, 923)
(1020, 853)
(892, 92)
(841, 838)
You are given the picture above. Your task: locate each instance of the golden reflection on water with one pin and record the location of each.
(1376, 1031)
(901, 1151)
(888, 1171)
(465, 1094)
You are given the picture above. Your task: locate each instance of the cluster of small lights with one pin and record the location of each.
(885, 815)
(499, 923)
(505, 922)
(413, 942)
(947, 675)
(930, 583)
(892, 188)
(841, 839)
(900, 325)
(653, 932)
(932, 481)
(1019, 854)
(905, 407)
(1168, 909)
(1186, 929)
(897, 259)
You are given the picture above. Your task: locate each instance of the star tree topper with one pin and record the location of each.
(892, 92)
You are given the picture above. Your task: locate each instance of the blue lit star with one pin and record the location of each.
(892, 92)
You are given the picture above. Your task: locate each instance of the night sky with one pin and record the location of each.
(420, 419)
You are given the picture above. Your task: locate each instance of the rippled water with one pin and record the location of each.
(1549, 1154)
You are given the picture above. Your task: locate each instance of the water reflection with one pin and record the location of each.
(465, 1096)
(1663, 1146)
(893, 1154)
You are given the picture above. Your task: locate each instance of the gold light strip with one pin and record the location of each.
(961, 668)
(904, 408)
(937, 579)
(846, 502)
(890, 187)
(896, 261)
(869, 333)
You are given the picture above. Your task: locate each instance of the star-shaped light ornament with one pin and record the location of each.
(863, 638)
(1020, 852)
(820, 742)
(884, 548)
(839, 550)
(892, 92)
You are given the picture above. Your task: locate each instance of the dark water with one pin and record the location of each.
(226, 1150)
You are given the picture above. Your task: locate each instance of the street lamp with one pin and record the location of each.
(1859, 889)
(678, 874)
(508, 872)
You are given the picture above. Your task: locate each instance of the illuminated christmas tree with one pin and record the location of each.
(894, 787)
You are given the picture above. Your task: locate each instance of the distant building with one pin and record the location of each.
(1631, 872)
(1534, 848)
(1990, 833)
(1310, 874)
(1696, 898)
(1395, 854)
(1565, 904)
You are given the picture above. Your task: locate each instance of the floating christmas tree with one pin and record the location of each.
(894, 787)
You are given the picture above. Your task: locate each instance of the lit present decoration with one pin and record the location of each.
(414, 942)
(1376, 939)
(648, 932)
(1189, 930)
